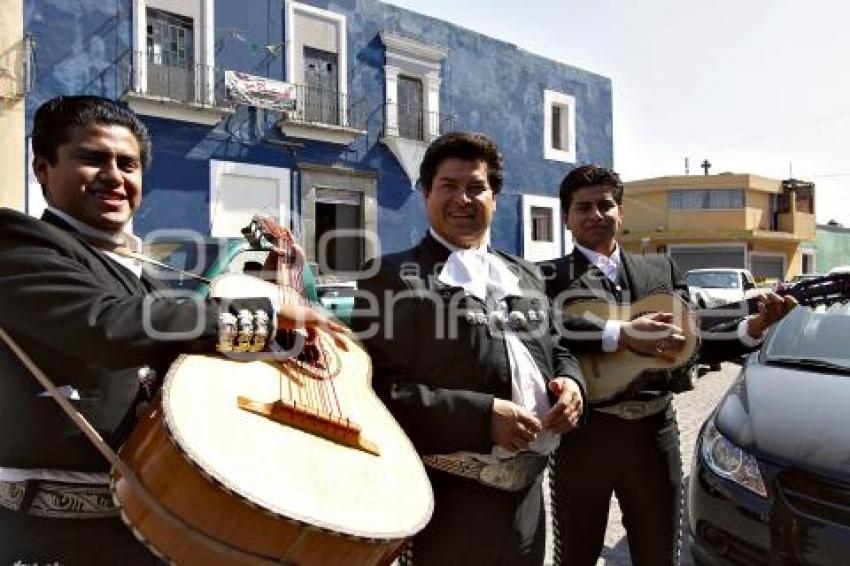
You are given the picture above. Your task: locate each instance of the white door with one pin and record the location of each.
(238, 191)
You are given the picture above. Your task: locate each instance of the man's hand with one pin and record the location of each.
(772, 309)
(565, 414)
(512, 427)
(653, 335)
(296, 316)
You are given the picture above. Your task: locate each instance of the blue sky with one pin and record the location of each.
(754, 86)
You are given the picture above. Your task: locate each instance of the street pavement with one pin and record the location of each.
(692, 408)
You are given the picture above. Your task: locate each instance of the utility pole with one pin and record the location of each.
(705, 165)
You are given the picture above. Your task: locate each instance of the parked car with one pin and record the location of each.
(770, 482)
(722, 285)
(209, 257)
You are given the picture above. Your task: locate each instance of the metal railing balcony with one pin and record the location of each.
(195, 83)
(415, 124)
(324, 107)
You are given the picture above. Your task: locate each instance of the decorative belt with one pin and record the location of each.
(58, 500)
(510, 474)
(635, 409)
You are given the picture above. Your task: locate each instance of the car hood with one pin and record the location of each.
(723, 296)
(792, 417)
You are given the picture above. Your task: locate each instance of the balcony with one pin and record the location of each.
(194, 93)
(420, 126)
(801, 224)
(324, 115)
(407, 134)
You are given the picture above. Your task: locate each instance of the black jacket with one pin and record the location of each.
(84, 320)
(572, 277)
(437, 372)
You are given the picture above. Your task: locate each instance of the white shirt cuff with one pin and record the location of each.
(611, 335)
(744, 335)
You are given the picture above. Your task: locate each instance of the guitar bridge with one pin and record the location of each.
(334, 428)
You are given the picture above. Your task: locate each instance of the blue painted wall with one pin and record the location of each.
(487, 85)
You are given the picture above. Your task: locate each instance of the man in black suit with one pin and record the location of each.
(89, 318)
(464, 357)
(629, 446)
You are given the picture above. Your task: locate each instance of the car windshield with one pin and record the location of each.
(714, 280)
(812, 337)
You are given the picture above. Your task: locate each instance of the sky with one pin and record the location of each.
(754, 86)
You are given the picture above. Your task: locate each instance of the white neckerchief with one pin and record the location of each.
(126, 239)
(486, 277)
(609, 265)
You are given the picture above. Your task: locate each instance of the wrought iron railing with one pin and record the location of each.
(415, 124)
(320, 106)
(194, 83)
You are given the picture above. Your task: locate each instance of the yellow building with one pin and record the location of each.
(725, 220)
(14, 56)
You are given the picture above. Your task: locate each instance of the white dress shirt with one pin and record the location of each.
(486, 277)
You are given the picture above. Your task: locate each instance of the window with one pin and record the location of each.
(321, 85)
(559, 122)
(173, 62)
(410, 108)
(708, 199)
(316, 63)
(541, 224)
(541, 227)
(170, 55)
(412, 74)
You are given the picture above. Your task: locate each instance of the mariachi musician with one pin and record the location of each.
(630, 444)
(462, 354)
(87, 314)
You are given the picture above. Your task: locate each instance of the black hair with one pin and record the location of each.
(462, 145)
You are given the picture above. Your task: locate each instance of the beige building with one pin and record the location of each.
(725, 220)
(14, 58)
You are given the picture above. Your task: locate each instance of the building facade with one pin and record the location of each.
(726, 220)
(832, 246)
(14, 78)
(333, 145)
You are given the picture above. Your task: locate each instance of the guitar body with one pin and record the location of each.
(242, 487)
(610, 374)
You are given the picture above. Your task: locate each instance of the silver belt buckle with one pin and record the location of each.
(515, 473)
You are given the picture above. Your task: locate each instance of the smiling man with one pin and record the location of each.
(82, 312)
(464, 357)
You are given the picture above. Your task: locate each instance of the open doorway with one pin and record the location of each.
(339, 222)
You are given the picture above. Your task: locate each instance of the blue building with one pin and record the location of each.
(368, 86)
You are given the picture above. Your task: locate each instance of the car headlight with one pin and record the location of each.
(730, 461)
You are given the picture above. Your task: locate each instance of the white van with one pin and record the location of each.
(722, 285)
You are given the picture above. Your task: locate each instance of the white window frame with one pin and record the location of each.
(541, 251)
(219, 169)
(202, 13)
(338, 21)
(411, 58)
(551, 99)
(812, 254)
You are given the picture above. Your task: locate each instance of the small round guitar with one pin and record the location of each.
(610, 374)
